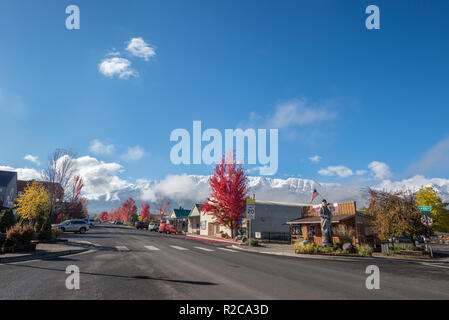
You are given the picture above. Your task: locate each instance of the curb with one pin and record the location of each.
(41, 256)
(338, 258)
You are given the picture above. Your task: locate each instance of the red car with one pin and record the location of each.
(167, 228)
(170, 229)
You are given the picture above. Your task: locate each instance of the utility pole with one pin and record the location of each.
(249, 224)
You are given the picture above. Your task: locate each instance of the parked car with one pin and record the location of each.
(162, 226)
(140, 225)
(154, 226)
(77, 226)
(170, 229)
(91, 222)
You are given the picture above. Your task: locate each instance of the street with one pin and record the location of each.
(132, 264)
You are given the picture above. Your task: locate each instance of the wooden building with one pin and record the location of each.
(344, 216)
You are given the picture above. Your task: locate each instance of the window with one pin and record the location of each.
(297, 230)
(312, 231)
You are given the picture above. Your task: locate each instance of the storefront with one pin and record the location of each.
(345, 218)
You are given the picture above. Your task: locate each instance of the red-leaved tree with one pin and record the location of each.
(104, 216)
(127, 209)
(229, 191)
(145, 213)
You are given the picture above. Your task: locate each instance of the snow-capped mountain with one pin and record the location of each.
(186, 190)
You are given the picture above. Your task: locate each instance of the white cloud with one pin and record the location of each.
(298, 113)
(120, 67)
(113, 53)
(97, 147)
(380, 170)
(415, 183)
(33, 159)
(23, 173)
(360, 172)
(340, 171)
(179, 188)
(100, 178)
(315, 159)
(134, 153)
(139, 48)
(434, 159)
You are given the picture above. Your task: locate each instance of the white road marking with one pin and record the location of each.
(204, 249)
(151, 248)
(434, 265)
(226, 249)
(121, 248)
(179, 248)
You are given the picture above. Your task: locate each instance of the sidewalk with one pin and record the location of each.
(46, 250)
(289, 251)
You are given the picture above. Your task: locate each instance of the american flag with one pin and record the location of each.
(314, 195)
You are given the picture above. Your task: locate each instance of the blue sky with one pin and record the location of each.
(376, 97)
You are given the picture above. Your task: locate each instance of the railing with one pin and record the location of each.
(274, 236)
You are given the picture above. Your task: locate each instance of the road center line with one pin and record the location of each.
(179, 248)
(121, 248)
(152, 248)
(226, 249)
(204, 249)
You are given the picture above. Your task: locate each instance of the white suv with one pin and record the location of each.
(77, 226)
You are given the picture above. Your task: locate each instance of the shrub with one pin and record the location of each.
(398, 248)
(345, 235)
(365, 251)
(45, 232)
(56, 232)
(20, 234)
(252, 243)
(308, 248)
(7, 220)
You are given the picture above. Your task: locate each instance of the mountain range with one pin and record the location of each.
(186, 190)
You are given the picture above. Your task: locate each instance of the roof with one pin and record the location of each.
(22, 185)
(198, 207)
(317, 220)
(6, 177)
(181, 213)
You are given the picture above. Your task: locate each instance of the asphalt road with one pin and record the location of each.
(135, 264)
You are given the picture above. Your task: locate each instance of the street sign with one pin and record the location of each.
(250, 209)
(428, 221)
(425, 210)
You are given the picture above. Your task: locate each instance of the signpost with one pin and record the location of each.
(250, 215)
(427, 220)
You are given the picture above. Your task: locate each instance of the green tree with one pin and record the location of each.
(428, 196)
(133, 218)
(7, 220)
(396, 215)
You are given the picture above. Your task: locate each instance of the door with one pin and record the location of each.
(210, 229)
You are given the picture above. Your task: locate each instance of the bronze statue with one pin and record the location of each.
(326, 224)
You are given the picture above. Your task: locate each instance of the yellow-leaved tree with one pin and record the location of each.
(33, 203)
(428, 196)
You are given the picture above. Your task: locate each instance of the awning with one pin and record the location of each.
(317, 220)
